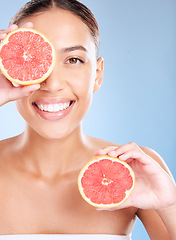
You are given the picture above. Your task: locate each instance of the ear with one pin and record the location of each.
(99, 74)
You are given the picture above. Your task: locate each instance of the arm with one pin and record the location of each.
(153, 224)
(7, 91)
(168, 213)
(160, 223)
(155, 191)
(168, 216)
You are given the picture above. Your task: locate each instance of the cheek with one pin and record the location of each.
(83, 80)
(24, 108)
(20, 107)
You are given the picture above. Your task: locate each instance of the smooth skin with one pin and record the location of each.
(39, 168)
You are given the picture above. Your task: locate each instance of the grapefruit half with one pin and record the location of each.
(26, 56)
(106, 182)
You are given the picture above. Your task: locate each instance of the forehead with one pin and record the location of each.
(62, 27)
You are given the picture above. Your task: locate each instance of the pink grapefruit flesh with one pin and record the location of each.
(106, 182)
(26, 56)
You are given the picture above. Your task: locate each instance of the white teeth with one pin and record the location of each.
(50, 108)
(53, 107)
(56, 107)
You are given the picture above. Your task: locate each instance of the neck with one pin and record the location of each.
(48, 157)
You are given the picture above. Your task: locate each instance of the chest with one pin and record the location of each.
(28, 207)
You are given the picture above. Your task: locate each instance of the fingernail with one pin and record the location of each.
(100, 209)
(112, 154)
(122, 157)
(101, 151)
(15, 84)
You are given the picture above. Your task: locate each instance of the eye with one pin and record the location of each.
(74, 61)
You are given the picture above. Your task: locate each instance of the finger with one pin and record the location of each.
(26, 90)
(11, 28)
(2, 35)
(20, 92)
(123, 148)
(105, 209)
(100, 209)
(28, 25)
(130, 151)
(137, 154)
(106, 150)
(130, 154)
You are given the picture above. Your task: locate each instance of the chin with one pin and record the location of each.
(53, 134)
(50, 132)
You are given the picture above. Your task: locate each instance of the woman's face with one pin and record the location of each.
(58, 107)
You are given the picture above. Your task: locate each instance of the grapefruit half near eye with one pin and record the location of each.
(106, 182)
(26, 56)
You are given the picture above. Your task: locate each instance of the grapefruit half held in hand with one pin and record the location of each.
(26, 56)
(106, 182)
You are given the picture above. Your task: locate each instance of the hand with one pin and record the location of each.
(154, 189)
(8, 92)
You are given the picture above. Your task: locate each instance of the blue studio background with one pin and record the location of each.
(137, 99)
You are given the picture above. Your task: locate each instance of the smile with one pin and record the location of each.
(53, 107)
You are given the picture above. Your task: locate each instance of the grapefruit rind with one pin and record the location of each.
(101, 205)
(30, 82)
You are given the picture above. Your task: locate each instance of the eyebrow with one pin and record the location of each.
(74, 48)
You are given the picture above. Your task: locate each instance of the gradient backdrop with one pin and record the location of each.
(137, 99)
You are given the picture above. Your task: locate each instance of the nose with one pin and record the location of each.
(55, 82)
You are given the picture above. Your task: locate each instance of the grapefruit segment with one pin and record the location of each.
(26, 56)
(106, 182)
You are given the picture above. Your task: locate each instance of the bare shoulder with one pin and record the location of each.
(7, 148)
(6, 144)
(100, 143)
(6, 158)
(154, 155)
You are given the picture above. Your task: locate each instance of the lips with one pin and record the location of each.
(53, 109)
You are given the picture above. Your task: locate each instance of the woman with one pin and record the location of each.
(39, 168)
